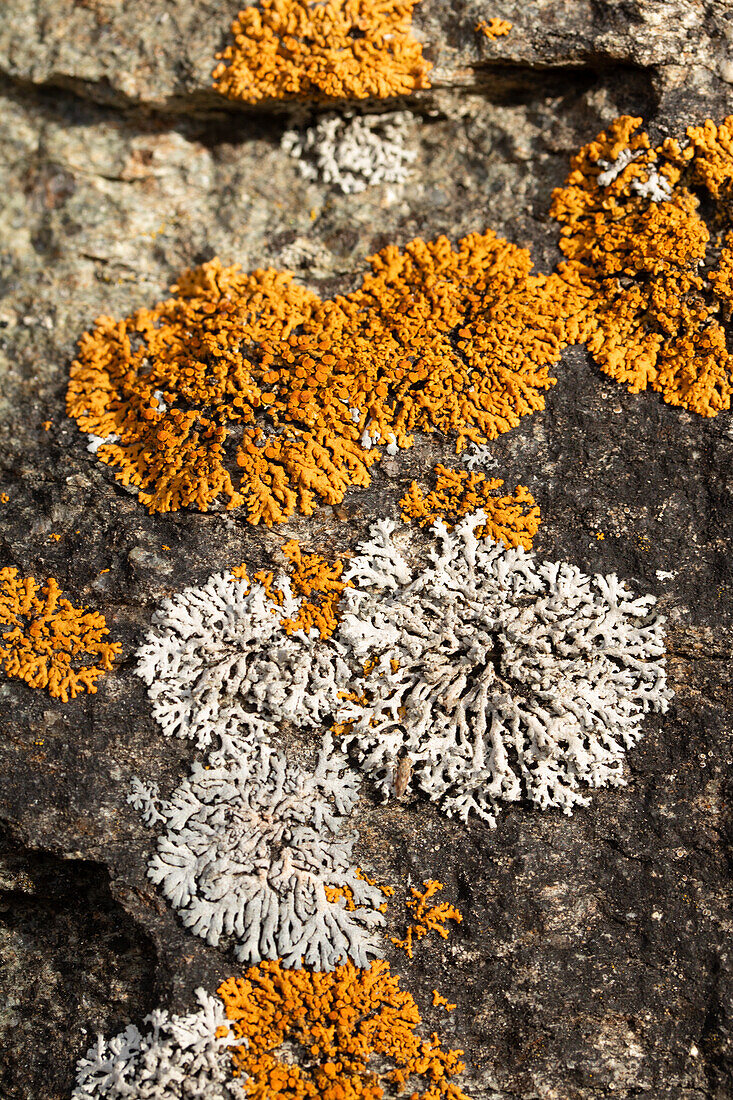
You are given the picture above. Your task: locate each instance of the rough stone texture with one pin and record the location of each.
(594, 955)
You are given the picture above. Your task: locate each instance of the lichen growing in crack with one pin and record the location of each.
(321, 50)
(354, 152)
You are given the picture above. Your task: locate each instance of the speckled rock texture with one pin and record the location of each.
(594, 957)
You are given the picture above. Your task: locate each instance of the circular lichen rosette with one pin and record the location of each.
(490, 675)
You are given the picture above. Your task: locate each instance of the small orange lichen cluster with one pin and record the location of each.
(494, 28)
(342, 1021)
(652, 309)
(322, 49)
(311, 576)
(252, 373)
(439, 1001)
(319, 581)
(427, 918)
(47, 639)
(512, 519)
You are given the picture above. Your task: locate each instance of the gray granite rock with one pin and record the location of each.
(594, 957)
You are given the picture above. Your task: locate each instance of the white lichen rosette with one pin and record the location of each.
(355, 151)
(496, 675)
(254, 850)
(176, 1057)
(221, 670)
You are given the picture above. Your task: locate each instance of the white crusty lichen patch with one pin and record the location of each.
(175, 1057)
(254, 850)
(497, 675)
(220, 668)
(353, 151)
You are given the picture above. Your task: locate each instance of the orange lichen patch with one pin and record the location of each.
(311, 576)
(319, 580)
(455, 339)
(711, 152)
(322, 49)
(45, 640)
(344, 1024)
(494, 28)
(439, 1001)
(634, 238)
(254, 378)
(171, 388)
(512, 519)
(427, 918)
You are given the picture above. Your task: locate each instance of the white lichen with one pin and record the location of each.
(479, 456)
(354, 151)
(221, 670)
(97, 441)
(655, 187)
(613, 169)
(254, 850)
(497, 675)
(175, 1058)
(144, 797)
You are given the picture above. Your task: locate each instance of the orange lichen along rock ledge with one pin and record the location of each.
(350, 1034)
(512, 519)
(493, 28)
(250, 391)
(322, 50)
(634, 238)
(49, 643)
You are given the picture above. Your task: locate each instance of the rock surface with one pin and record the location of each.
(594, 956)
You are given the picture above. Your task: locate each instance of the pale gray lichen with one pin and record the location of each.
(254, 850)
(655, 187)
(221, 670)
(499, 676)
(354, 151)
(479, 456)
(175, 1058)
(144, 797)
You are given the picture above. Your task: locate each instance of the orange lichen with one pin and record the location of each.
(319, 580)
(494, 28)
(512, 519)
(322, 49)
(256, 375)
(426, 918)
(45, 640)
(439, 1001)
(311, 576)
(345, 1025)
(455, 339)
(652, 320)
